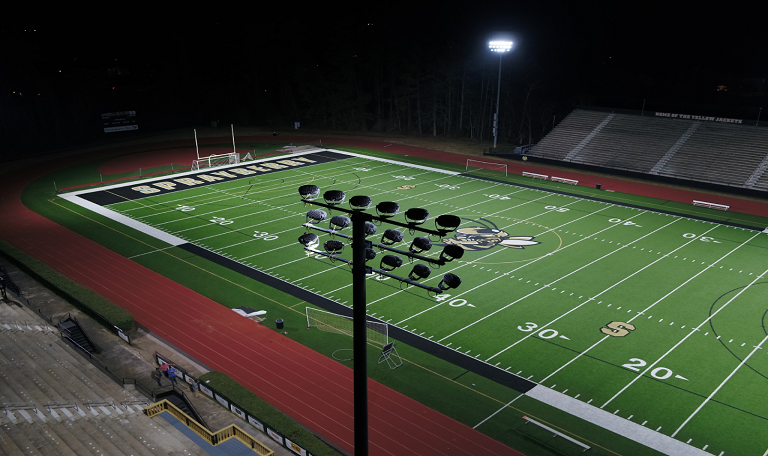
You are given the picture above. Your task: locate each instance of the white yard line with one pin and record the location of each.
(692, 332)
(757, 347)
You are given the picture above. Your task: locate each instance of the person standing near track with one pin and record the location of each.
(157, 374)
(172, 374)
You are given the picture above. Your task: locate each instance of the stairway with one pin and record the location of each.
(72, 329)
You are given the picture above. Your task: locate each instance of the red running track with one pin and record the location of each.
(307, 386)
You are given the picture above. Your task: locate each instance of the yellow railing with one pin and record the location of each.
(214, 438)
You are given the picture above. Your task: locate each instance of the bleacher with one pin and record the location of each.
(55, 402)
(712, 152)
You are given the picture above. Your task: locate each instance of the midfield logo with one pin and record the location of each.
(487, 235)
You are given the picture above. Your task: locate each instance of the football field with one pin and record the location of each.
(643, 322)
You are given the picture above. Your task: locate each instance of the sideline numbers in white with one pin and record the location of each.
(264, 235)
(544, 333)
(448, 187)
(556, 209)
(662, 373)
(498, 197)
(627, 223)
(183, 208)
(405, 178)
(362, 169)
(454, 302)
(702, 239)
(221, 221)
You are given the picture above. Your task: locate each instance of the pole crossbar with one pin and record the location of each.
(369, 218)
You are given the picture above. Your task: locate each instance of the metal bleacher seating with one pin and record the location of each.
(55, 402)
(713, 152)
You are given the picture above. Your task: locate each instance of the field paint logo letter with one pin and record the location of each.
(487, 236)
(617, 329)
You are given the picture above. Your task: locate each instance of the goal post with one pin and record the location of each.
(486, 165)
(215, 160)
(378, 333)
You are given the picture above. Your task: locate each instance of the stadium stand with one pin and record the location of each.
(56, 402)
(709, 152)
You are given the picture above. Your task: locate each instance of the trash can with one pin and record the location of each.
(597, 186)
(279, 323)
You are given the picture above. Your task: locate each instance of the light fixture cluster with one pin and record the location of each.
(500, 46)
(385, 210)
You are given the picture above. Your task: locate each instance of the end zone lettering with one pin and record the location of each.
(230, 173)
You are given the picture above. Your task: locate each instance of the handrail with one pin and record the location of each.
(61, 404)
(214, 438)
(97, 403)
(19, 406)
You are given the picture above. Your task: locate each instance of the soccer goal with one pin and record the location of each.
(327, 321)
(486, 165)
(213, 161)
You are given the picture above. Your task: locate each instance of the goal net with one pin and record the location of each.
(474, 165)
(331, 322)
(213, 161)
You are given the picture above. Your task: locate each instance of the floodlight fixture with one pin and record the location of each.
(334, 197)
(370, 229)
(420, 271)
(309, 192)
(309, 240)
(360, 203)
(390, 262)
(420, 244)
(339, 222)
(315, 216)
(451, 252)
(333, 246)
(449, 281)
(386, 209)
(416, 216)
(391, 236)
(369, 254)
(446, 223)
(500, 45)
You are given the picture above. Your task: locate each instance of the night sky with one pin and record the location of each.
(397, 67)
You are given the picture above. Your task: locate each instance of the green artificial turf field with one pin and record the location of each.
(653, 317)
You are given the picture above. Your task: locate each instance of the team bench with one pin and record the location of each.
(564, 180)
(535, 176)
(722, 207)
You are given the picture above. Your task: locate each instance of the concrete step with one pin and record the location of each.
(20, 439)
(122, 427)
(7, 445)
(96, 440)
(69, 444)
(41, 436)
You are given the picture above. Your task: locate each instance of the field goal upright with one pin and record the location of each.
(378, 333)
(488, 165)
(213, 161)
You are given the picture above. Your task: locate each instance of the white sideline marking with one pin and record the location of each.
(607, 420)
(719, 386)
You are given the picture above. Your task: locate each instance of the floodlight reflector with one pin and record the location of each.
(309, 240)
(359, 203)
(370, 228)
(390, 262)
(451, 252)
(333, 246)
(420, 271)
(416, 216)
(339, 222)
(369, 254)
(420, 244)
(334, 197)
(309, 192)
(387, 209)
(316, 216)
(449, 281)
(391, 236)
(447, 223)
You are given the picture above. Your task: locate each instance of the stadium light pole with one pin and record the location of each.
(360, 246)
(500, 46)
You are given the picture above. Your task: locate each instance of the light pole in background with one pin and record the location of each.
(500, 46)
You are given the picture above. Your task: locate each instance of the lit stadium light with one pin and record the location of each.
(449, 281)
(420, 271)
(309, 240)
(370, 229)
(333, 246)
(339, 222)
(416, 216)
(500, 46)
(315, 216)
(369, 254)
